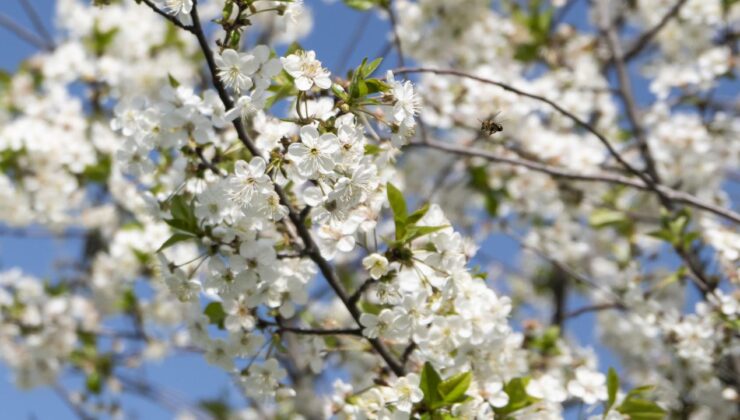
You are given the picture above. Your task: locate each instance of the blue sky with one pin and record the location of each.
(189, 375)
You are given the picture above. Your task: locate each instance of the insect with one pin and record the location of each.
(491, 126)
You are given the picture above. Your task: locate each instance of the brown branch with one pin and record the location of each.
(168, 16)
(396, 37)
(360, 290)
(37, 23)
(612, 151)
(648, 36)
(593, 308)
(9, 23)
(352, 44)
(558, 172)
(310, 331)
(630, 105)
(690, 257)
(73, 405)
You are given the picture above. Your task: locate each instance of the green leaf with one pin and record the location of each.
(429, 384)
(376, 85)
(418, 214)
(453, 389)
(372, 149)
(173, 82)
(179, 207)
(604, 217)
(101, 40)
(414, 232)
(292, 48)
(339, 92)
(361, 5)
(99, 172)
(612, 386)
(94, 382)
(398, 207)
(516, 389)
(639, 409)
(370, 68)
(128, 301)
(183, 215)
(634, 392)
(215, 313)
(175, 238)
(217, 408)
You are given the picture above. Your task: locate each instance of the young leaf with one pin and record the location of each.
(370, 68)
(418, 214)
(173, 82)
(429, 384)
(516, 389)
(453, 389)
(175, 238)
(639, 409)
(413, 232)
(612, 386)
(215, 313)
(398, 206)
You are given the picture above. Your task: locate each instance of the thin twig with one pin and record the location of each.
(396, 36)
(558, 172)
(9, 23)
(625, 92)
(73, 405)
(168, 16)
(612, 151)
(310, 331)
(593, 308)
(360, 290)
(37, 23)
(648, 36)
(352, 44)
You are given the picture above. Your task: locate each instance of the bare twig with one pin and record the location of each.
(593, 308)
(396, 36)
(168, 16)
(352, 44)
(648, 36)
(360, 290)
(310, 331)
(69, 401)
(37, 23)
(612, 151)
(675, 195)
(630, 105)
(9, 23)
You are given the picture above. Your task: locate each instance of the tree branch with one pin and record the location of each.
(612, 151)
(9, 23)
(630, 105)
(648, 36)
(396, 37)
(593, 308)
(37, 23)
(558, 172)
(168, 16)
(310, 331)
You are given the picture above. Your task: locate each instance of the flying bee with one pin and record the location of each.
(491, 126)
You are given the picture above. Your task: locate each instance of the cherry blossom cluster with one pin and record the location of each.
(297, 227)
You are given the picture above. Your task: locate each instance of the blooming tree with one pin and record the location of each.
(297, 226)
